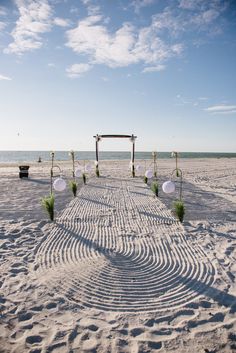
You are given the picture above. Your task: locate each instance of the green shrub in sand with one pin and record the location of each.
(73, 186)
(154, 187)
(179, 210)
(48, 205)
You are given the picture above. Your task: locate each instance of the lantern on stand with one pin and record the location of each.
(149, 174)
(139, 168)
(59, 184)
(168, 187)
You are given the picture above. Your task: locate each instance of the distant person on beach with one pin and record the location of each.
(39, 160)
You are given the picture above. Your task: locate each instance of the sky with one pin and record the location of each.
(162, 70)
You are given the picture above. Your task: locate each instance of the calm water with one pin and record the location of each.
(32, 156)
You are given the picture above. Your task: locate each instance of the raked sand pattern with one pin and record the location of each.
(116, 247)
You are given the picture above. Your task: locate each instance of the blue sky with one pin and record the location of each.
(163, 70)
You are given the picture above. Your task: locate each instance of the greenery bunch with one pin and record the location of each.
(48, 205)
(97, 172)
(179, 210)
(145, 179)
(155, 187)
(73, 186)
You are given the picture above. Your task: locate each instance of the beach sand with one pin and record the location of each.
(116, 272)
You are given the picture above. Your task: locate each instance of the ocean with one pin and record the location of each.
(33, 156)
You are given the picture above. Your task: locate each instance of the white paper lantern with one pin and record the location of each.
(78, 172)
(139, 168)
(148, 174)
(88, 168)
(168, 187)
(59, 184)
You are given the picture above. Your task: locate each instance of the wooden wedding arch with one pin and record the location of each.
(132, 138)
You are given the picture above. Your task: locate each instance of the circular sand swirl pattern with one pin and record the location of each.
(117, 248)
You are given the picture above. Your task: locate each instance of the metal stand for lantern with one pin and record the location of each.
(52, 154)
(178, 172)
(72, 154)
(54, 176)
(154, 155)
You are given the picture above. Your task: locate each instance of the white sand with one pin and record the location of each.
(116, 272)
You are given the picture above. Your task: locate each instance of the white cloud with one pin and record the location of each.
(34, 19)
(128, 45)
(91, 8)
(3, 11)
(138, 4)
(61, 22)
(105, 79)
(187, 4)
(203, 98)
(2, 25)
(189, 17)
(74, 10)
(151, 46)
(77, 70)
(154, 68)
(6, 78)
(222, 109)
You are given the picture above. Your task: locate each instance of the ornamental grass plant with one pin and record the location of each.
(48, 204)
(74, 187)
(179, 210)
(155, 188)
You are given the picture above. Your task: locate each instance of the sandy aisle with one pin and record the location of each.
(116, 272)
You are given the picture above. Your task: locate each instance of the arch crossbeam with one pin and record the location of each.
(132, 138)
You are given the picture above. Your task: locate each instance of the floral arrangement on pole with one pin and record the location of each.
(175, 155)
(154, 154)
(73, 185)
